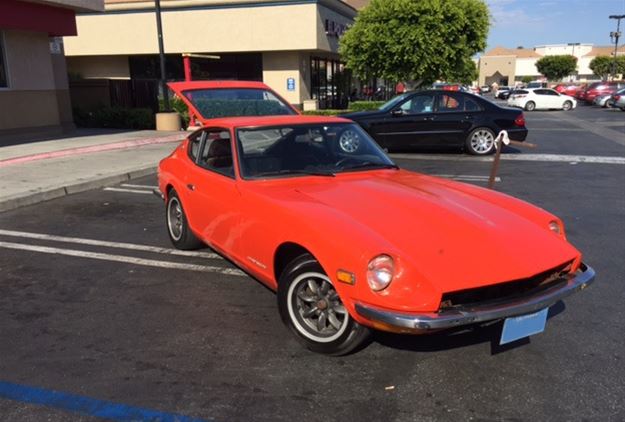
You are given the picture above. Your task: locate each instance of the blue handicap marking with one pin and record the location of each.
(290, 84)
(515, 328)
(86, 405)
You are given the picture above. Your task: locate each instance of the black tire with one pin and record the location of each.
(177, 227)
(567, 106)
(339, 333)
(530, 106)
(481, 141)
(609, 104)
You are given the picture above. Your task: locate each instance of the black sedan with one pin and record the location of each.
(437, 118)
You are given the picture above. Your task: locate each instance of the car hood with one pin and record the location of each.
(458, 236)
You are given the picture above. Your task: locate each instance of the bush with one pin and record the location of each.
(365, 105)
(178, 106)
(327, 112)
(115, 117)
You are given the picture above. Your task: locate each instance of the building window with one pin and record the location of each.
(3, 64)
(330, 82)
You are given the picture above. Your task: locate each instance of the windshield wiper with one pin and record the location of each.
(369, 164)
(298, 172)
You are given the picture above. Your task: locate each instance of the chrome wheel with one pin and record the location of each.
(315, 308)
(482, 141)
(349, 141)
(567, 106)
(175, 219)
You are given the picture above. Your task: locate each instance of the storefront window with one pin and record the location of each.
(3, 65)
(330, 83)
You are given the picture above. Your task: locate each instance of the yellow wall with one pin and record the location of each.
(277, 68)
(239, 29)
(489, 65)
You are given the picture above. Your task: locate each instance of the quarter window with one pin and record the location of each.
(3, 65)
(470, 105)
(449, 103)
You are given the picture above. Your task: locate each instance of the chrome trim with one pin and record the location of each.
(465, 316)
(158, 193)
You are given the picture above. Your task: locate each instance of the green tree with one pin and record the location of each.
(556, 67)
(602, 65)
(527, 79)
(416, 40)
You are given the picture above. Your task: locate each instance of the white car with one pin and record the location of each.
(541, 99)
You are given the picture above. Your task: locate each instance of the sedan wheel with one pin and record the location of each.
(530, 106)
(310, 306)
(567, 105)
(481, 142)
(177, 227)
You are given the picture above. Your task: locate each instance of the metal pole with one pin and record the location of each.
(161, 55)
(617, 34)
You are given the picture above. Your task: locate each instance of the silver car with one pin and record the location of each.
(618, 99)
(603, 100)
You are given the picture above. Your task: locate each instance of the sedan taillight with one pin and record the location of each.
(520, 120)
(616, 97)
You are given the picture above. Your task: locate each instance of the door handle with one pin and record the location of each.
(190, 186)
(429, 118)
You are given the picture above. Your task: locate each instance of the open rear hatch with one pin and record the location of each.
(215, 99)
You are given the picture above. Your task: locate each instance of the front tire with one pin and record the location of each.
(567, 106)
(530, 106)
(178, 229)
(481, 141)
(312, 309)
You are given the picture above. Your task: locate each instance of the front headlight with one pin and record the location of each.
(380, 272)
(556, 227)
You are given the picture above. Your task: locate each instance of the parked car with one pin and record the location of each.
(435, 118)
(541, 99)
(501, 90)
(506, 94)
(484, 89)
(536, 84)
(311, 207)
(603, 100)
(567, 89)
(619, 100)
(602, 88)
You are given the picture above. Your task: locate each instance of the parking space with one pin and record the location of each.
(95, 305)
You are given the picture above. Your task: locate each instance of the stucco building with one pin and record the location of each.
(509, 65)
(290, 45)
(34, 96)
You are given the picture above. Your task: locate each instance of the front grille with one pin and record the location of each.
(506, 291)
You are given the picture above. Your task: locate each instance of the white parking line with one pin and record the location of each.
(121, 258)
(146, 192)
(591, 159)
(130, 185)
(119, 245)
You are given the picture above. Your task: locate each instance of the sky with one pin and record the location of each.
(529, 23)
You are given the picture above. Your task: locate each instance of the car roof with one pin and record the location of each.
(244, 121)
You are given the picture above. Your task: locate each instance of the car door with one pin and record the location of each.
(451, 122)
(211, 190)
(554, 99)
(409, 124)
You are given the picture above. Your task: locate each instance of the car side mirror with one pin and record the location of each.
(397, 112)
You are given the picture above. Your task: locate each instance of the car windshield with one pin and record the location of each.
(393, 102)
(320, 149)
(233, 102)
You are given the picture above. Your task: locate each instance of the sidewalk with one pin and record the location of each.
(39, 171)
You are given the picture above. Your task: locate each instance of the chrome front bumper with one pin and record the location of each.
(481, 313)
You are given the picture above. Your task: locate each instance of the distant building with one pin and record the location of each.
(509, 65)
(34, 96)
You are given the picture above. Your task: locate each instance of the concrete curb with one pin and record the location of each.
(31, 198)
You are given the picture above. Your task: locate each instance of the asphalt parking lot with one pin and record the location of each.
(97, 312)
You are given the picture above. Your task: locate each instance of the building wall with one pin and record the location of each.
(278, 67)
(489, 66)
(31, 100)
(233, 29)
(526, 67)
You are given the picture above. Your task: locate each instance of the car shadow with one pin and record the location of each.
(458, 338)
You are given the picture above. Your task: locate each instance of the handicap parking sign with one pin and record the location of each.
(290, 84)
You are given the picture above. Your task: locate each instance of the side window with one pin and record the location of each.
(194, 145)
(470, 105)
(541, 92)
(216, 152)
(448, 103)
(422, 103)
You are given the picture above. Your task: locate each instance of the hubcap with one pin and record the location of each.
(316, 309)
(482, 141)
(174, 218)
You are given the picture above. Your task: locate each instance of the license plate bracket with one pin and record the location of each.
(515, 328)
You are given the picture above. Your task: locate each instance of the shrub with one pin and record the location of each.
(115, 117)
(327, 112)
(365, 105)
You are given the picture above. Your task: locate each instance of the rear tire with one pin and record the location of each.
(481, 141)
(178, 229)
(567, 106)
(310, 307)
(530, 106)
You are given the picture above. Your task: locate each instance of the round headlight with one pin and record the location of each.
(380, 272)
(555, 227)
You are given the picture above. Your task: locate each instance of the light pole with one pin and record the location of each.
(161, 55)
(573, 44)
(616, 35)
